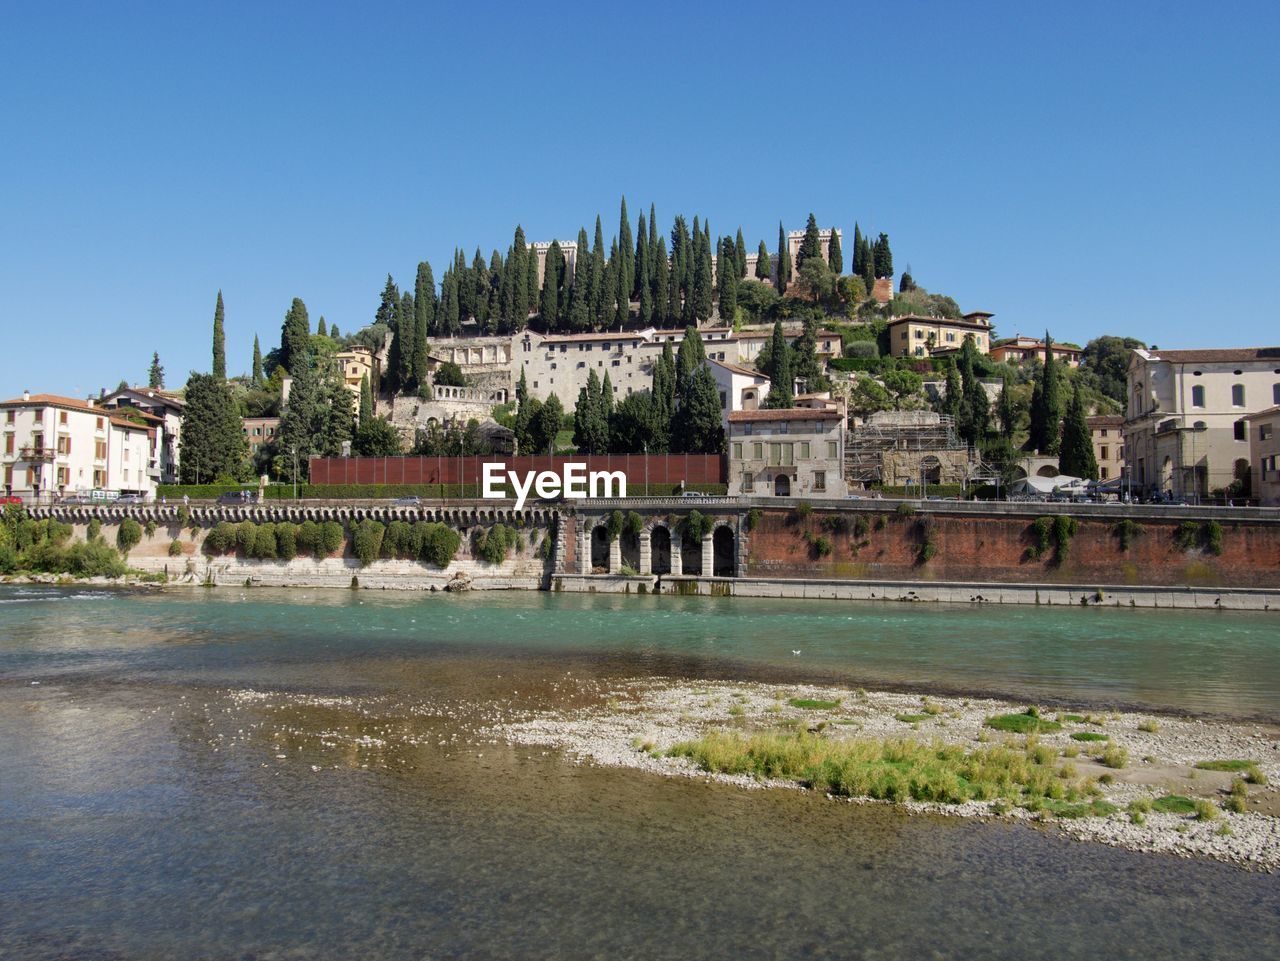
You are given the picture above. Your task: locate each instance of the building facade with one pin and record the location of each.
(164, 410)
(1107, 431)
(1019, 349)
(56, 446)
(355, 364)
(916, 336)
(787, 453)
(1185, 430)
(740, 388)
(259, 431)
(1264, 455)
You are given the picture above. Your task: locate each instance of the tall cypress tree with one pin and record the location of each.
(868, 267)
(781, 381)
(552, 281)
(155, 377)
(1006, 410)
(580, 293)
(596, 293)
(953, 399)
(478, 277)
(621, 286)
(626, 250)
(641, 258)
(322, 329)
(517, 268)
(212, 440)
(858, 266)
(784, 260)
(702, 284)
(366, 400)
(424, 299)
(449, 311)
(295, 338)
(727, 281)
(406, 332)
(740, 253)
(664, 399)
(1077, 458)
(389, 304)
(811, 246)
(255, 375)
(531, 284)
(644, 281)
(219, 342)
(764, 268)
(883, 257)
(653, 241)
(661, 283)
(1046, 409)
(835, 256)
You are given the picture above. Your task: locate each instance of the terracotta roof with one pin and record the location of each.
(49, 400)
(1105, 420)
(795, 413)
(1259, 414)
(737, 368)
(1219, 355)
(940, 321)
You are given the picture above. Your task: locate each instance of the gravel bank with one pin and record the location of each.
(641, 719)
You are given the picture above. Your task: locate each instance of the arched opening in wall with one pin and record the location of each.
(1242, 481)
(599, 550)
(1166, 474)
(931, 470)
(782, 486)
(1048, 470)
(690, 554)
(660, 550)
(1019, 473)
(723, 554)
(630, 544)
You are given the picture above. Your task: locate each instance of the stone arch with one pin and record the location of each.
(1048, 470)
(659, 536)
(782, 486)
(724, 551)
(690, 552)
(931, 470)
(599, 547)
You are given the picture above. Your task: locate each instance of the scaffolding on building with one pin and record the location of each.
(865, 446)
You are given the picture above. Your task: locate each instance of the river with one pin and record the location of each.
(300, 774)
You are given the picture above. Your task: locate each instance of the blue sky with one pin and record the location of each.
(1089, 168)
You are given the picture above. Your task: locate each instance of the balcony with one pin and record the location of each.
(36, 453)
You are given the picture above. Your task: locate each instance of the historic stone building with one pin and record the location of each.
(916, 336)
(1107, 431)
(787, 453)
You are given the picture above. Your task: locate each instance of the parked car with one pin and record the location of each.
(130, 499)
(411, 501)
(237, 498)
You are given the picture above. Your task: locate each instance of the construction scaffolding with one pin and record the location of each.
(899, 447)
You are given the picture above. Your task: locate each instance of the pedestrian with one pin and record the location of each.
(185, 500)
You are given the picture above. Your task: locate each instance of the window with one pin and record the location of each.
(903, 336)
(126, 455)
(819, 480)
(919, 334)
(775, 455)
(99, 478)
(616, 363)
(833, 450)
(582, 364)
(1104, 432)
(62, 417)
(1237, 395)
(757, 451)
(1264, 432)
(1104, 453)
(1103, 472)
(99, 450)
(724, 400)
(919, 351)
(1275, 395)
(8, 443)
(64, 445)
(553, 365)
(788, 454)
(951, 337)
(748, 482)
(1240, 430)
(1197, 395)
(9, 418)
(737, 450)
(804, 450)
(64, 476)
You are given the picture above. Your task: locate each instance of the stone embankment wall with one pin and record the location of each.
(941, 546)
(524, 568)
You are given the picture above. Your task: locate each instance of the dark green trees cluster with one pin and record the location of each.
(785, 364)
(871, 259)
(1046, 406)
(212, 441)
(1077, 458)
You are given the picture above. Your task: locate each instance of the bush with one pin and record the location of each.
(753, 518)
(175, 548)
(366, 541)
(128, 535)
(150, 529)
(697, 526)
(331, 538)
(95, 530)
(634, 524)
(803, 510)
(264, 542)
(613, 526)
(1126, 530)
(222, 539)
(1187, 535)
(399, 541)
(184, 515)
(286, 541)
(1212, 535)
(438, 543)
(494, 543)
(246, 534)
(8, 559)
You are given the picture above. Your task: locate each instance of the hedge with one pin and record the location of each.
(931, 490)
(390, 491)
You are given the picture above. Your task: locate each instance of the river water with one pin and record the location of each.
(270, 774)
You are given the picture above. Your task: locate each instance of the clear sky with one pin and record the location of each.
(1087, 168)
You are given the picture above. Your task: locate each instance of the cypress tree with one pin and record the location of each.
(702, 286)
(781, 380)
(333, 331)
(155, 377)
(522, 389)
(661, 282)
(1077, 458)
(531, 284)
(579, 318)
(644, 280)
(212, 440)
(466, 285)
(784, 260)
(1046, 410)
(424, 300)
(688, 358)
(835, 256)
(653, 241)
(727, 281)
(641, 258)
(1006, 411)
(389, 304)
(585, 414)
(406, 332)
(740, 253)
(322, 329)
(219, 342)
(664, 399)
(811, 246)
(868, 268)
(256, 370)
(366, 400)
(975, 408)
(677, 289)
(295, 338)
(621, 285)
(954, 397)
(883, 257)
(764, 269)
(605, 410)
(495, 291)
(449, 311)
(552, 271)
(596, 293)
(517, 268)
(627, 268)
(805, 365)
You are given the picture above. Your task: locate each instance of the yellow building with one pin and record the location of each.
(916, 336)
(356, 363)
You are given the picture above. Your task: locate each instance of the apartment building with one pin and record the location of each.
(740, 388)
(1264, 455)
(54, 446)
(787, 453)
(1186, 429)
(259, 431)
(355, 364)
(1107, 432)
(163, 410)
(916, 336)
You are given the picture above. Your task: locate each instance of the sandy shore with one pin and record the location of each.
(640, 720)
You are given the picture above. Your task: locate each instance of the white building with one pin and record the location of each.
(163, 410)
(55, 446)
(740, 388)
(1185, 431)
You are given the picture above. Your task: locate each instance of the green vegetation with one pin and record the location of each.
(1173, 804)
(1056, 531)
(911, 718)
(31, 546)
(812, 704)
(1115, 756)
(1225, 765)
(1149, 726)
(1206, 536)
(366, 541)
(1090, 736)
(753, 518)
(128, 535)
(493, 544)
(893, 769)
(1126, 531)
(175, 548)
(1028, 722)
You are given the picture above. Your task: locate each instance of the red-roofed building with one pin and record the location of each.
(787, 453)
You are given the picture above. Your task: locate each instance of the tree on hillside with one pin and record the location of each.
(546, 424)
(626, 251)
(811, 245)
(552, 280)
(781, 389)
(255, 376)
(663, 399)
(405, 377)
(835, 257)
(883, 257)
(661, 283)
(858, 265)
(155, 377)
(212, 440)
(764, 269)
(596, 293)
(1077, 458)
(740, 255)
(1006, 411)
(953, 393)
(727, 281)
(322, 329)
(805, 365)
(702, 280)
(902, 384)
(1105, 365)
(817, 279)
(975, 409)
(643, 279)
(424, 302)
(376, 437)
(632, 428)
(219, 342)
(579, 315)
(591, 419)
(1046, 406)
(366, 400)
(295, 337)
(784, 260)
(449, 374)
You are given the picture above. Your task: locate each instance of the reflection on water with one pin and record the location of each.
(201, 777)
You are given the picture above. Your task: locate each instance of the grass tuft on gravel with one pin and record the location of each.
(813, 704)
(1028, 722)
(1090, 736)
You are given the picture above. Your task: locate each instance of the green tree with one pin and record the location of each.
(764, 269)
(591, 422)
(953, 397)
(449, 374)
(883, 257)
(481, 290)
(155, 378)
(663, 399)
(781, 390)
(424, 302)
(552, 281)
(633, 428)
(835, 257)
(256, 377)
(322, 329)
(811, 245)
(366, 400)
(1046, 406)
(859, 248)
(219, 342)
(805, 365)
(975, 409)
(212, 440)
(295, 337)
(644, 279)
(531, 286)
(1006, 411)
(702, 281)
(902, 384)
(626, 251)
(546, 424)
(388, 304)
(740, 255)
(727, 281)
(698, 419)
(868, 396)
(661, 283)
(403, 345)
(376, 437)
(1077, 458)
(784, 260)
(817, 279)
(579, 318)
(597, 294)
(449, 309)
(1105, 365)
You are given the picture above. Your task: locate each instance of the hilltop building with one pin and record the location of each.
(1019, 349)
(917, 336)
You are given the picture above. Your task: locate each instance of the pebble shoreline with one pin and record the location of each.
(640, 719)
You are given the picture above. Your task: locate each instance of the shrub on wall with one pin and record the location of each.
(331, 538)
(175, 548)
(697, 526)
(493, 544)
(128, 535)
(1126, 531)
(613, 526)
(1041, 531)
(1212, 533)
(286, 541)
(1064, 528)
(222, 539)
(634, 524)
(753, 518)
(95, 530)
(438, 543)
(150, 529)
(366, 541)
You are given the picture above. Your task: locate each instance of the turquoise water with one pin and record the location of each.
(301, 775)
